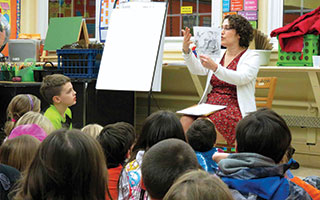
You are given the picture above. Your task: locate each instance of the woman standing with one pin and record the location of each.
(231, 81)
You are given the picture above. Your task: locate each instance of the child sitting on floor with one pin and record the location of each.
(198, 184)
(18, 106)
(115, 144)
(163, 163)
(58, 91)
(202, 136)
(262, 139)
(92, 129)
(157, 127)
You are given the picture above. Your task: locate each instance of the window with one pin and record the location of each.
(282, 12)
(72, 8)
(200, 16)
(292, 9)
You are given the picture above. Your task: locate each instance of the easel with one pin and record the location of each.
(138, 66)
(156, 61)
(58, 28)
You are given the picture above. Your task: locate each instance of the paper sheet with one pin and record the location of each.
(208, 41)
(201, 109)
(131, 47)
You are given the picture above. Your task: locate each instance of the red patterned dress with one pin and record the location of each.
(223, 93)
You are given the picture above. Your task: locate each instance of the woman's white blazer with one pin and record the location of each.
(244, 78)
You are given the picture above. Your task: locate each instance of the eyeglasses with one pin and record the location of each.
(226, 28)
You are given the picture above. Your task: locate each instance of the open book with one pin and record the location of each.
(201, 109)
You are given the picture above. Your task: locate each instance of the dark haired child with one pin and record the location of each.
(58, 91)
(262, 139)
(163, 163)
(115, 144)
(158, 126)
(129, 130)
(202, 136)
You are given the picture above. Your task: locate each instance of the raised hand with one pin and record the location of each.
(186, 39)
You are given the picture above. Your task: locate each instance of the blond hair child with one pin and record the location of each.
(198, 184)
(92, 129)
(36, 118)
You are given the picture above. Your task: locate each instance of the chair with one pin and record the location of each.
(268, 84)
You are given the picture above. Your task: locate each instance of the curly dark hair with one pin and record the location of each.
(242, 27)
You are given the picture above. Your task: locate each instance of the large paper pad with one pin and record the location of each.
(131, 47)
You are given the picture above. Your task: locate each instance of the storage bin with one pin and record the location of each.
(21, 49)
(79, 63)
(7, 75)
(311, 47)
(44, 71)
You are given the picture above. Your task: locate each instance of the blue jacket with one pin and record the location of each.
(253, 176)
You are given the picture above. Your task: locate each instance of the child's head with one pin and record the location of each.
(19, 151)
(57, 89)
(28, 129)
(159, 126)
(163, 163)
(92, 129)
(202, 135)
(18, 106)
(129, 130)
(67, 165)
(198, 184)
(115, 145)
(263, 132)
(36, 118)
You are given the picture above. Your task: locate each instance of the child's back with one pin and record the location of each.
(202, 136)
(57, 90)
(262, 139)
(157, 127)
(115, 144)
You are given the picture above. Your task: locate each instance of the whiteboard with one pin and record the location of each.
(131, 47)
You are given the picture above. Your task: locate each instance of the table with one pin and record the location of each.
(93, 106)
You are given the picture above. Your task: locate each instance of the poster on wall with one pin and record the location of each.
(245, 8)
(105, 10)
(251, 5)
(8, 9)
(225, 5)
(5, 9)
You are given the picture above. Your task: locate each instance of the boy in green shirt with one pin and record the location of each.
(57, 90)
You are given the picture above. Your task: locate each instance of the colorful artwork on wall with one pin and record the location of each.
(106, 7)
(245, 8)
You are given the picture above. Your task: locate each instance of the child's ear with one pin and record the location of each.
(56, 99)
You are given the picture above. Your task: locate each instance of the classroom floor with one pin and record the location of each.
(306, 171)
